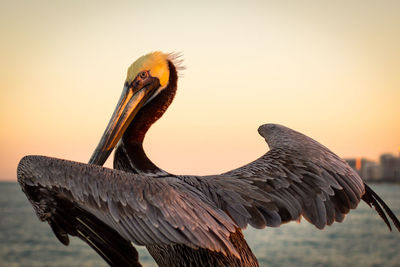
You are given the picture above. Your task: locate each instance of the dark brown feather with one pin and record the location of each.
(371, 198)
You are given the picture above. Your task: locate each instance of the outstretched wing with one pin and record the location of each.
(109, 209)
(297, 178)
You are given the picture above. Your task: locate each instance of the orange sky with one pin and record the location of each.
(331, 71)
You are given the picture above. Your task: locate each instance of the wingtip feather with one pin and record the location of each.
(373, 199)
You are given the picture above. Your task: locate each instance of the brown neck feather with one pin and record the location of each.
(131, 147)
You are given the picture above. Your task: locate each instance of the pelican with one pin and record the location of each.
(186, 220)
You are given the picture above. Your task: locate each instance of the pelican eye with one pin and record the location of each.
(143, 75)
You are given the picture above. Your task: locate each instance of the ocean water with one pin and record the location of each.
(361, 240)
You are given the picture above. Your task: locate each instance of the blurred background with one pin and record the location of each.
(330, 70)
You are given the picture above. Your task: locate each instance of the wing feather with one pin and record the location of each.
(297, 178)
(138, 209)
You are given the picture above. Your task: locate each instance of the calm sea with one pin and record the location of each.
(362, 240)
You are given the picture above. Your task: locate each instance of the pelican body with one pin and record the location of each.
(186, 220)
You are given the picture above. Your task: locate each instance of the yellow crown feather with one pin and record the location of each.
(157, 65)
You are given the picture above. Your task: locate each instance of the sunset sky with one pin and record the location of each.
(329, 70)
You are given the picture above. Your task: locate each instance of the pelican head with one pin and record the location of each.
(146, 78)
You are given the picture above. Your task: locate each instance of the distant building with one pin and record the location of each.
(388, 169)
(370, 170)
(367, 169)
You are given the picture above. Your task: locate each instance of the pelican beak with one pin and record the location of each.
(132, 100)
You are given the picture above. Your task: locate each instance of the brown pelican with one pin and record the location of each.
(186, 220)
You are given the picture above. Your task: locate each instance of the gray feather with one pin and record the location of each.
(298, 176)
